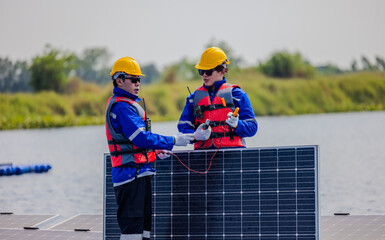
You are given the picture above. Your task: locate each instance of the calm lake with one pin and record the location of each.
(352, 162)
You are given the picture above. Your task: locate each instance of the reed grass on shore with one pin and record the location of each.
(364, 91)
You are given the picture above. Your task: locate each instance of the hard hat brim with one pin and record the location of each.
(112, 74)
(209, 67)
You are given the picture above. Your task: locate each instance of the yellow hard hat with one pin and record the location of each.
(127, 65)
(211, 58)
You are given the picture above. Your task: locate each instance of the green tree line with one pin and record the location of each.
(55, 69)
(59, 88)
(361, 91)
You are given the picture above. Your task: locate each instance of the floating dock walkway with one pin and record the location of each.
(84, 227)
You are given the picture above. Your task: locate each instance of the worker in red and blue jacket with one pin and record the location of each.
(133, 147)
(218, 102)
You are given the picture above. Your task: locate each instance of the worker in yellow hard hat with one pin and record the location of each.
(131, 144)
(216, 103)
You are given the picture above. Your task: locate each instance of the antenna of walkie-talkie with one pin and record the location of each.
(144, 105)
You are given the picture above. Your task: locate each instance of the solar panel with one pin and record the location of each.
(81, 222)
(256, 193)
(28, 227)
(368, 227)
(111, 230)
(23, 221)
(15, 234)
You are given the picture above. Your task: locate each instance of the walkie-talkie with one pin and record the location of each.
(147, 121)
(197, 109)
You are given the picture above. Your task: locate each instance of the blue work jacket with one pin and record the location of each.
(128, 122)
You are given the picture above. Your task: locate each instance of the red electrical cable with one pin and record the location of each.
(211, 160)
(192, 170)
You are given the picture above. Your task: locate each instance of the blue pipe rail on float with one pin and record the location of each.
(9, 169)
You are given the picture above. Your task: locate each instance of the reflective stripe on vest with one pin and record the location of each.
(122, 150)
(221, 134)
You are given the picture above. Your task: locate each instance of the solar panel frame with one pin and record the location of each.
(241, 217)
(111, 230)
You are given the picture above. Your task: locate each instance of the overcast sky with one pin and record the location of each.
(164, 32)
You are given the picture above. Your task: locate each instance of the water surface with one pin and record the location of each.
(352, 162)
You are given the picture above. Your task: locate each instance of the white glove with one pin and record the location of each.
(162, 154)
(183, 139)
(231, 120)
(201, 134)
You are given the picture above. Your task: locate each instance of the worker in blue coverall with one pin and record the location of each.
(131, 144)
(217, 101)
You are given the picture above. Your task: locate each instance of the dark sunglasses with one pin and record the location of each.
(210, 72)
(133, 79)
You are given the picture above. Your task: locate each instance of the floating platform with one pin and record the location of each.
(47, 227)
(84, 226)
(8, 169)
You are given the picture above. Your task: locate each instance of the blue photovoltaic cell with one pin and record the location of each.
(258, 193)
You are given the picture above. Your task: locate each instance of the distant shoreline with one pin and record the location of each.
(350, 92)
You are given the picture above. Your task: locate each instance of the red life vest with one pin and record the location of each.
(122, 150)
(222, 135)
